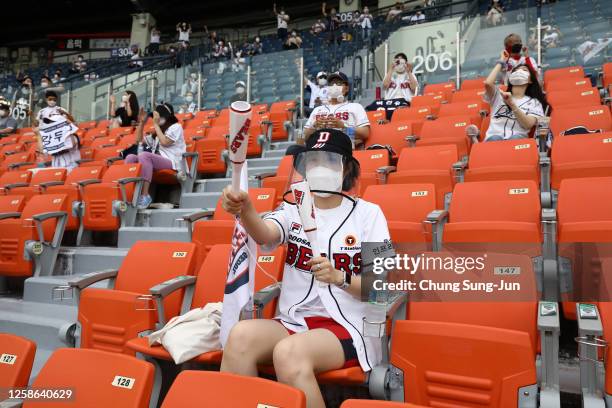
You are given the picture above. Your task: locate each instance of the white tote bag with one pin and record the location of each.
(191, 334)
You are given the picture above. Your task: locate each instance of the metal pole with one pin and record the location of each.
(302, 86)
(109, 91)
(152, 102)
(539, 43)
(458, 61)
(248, 84)
(69, 101)
(166, 85)
(386, 56)
(199, 90)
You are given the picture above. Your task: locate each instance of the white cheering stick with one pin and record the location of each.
(305, 206)
(239, 124)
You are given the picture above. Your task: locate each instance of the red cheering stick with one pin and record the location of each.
(239, 123)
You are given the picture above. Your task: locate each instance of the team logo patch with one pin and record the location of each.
(295, 227)
(350, 240)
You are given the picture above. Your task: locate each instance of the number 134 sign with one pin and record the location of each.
(56, 136)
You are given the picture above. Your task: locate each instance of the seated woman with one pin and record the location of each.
(515, 112)
(320, 322)
(166, 146)
(127, 113)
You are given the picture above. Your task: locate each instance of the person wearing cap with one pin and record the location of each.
(240, 94)
(164, 147)
(46, 85)
(339, 113)
(318, 89)
(8, 124)
(319, 326)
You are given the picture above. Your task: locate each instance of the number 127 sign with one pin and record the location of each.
(56, 136)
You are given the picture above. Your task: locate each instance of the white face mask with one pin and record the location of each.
(125, 98)
(323, 178)
(336, 92)
(44, 84)
(240, 89)
(189, 99)
(25, 90)
(51, 103)
(162, 121)
(322, 81)
(519, 77)
(194, 76)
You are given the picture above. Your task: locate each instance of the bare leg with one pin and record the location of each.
(297, 358)
(251, 342)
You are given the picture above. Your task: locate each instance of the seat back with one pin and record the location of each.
(47, 175)
(412, 113)
(403, 202)
(468, 95)
(375, 116)
(210, 150)
(390, 134)
(16, 360)
(594, 117)
(14, 177)
(504, 160)
(458, 364)
(263, 200)
(96, 379)
(573, 97)
(11, 203)
(441, 87)
(230, 390)
(564, 84)
(466, 108)
(431, 101)
(371, 160)
(474, 83)
(563, 73)
(103, 153)
(119, 171)
(439, 157)
(448, 126)
(39, 204)
(84, 173)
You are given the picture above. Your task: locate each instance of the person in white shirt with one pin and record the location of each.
(189, 105)
(395, 12)
(136, 58)
(516, 55)
(184, 30)
(53, 113)
(155, 40)
(515, 112)
(319, 326)
(399, 82)
(167, 146)
(282, 20)
(418, 17)
(338, 113)
(365, 21)
(318, 89)
(318, 27)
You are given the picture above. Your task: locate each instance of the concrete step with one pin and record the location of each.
(163, 218)
(281, 145)
(80, 260)
(46, 324)
(217, 185)
(279, 153)
(264, 162)
(41, 289)
(253, 171)
(130, 235)
(200, 200)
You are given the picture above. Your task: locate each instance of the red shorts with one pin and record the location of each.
(346, 341)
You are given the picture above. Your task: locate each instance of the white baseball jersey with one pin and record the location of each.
(340, 233)
(399, 88)
(352, 114)
(504, 122)
(317, 91)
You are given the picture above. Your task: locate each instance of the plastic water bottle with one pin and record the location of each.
(350, 131)
(376, 314)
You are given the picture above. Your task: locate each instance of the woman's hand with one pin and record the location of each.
(234, 202)
(112, 99)
(156, 118)
(508, 100)
(503, 57)
(323, 271)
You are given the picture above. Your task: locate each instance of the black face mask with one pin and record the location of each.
(516, 48)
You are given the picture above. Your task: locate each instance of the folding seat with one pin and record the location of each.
(109, 317)
(185, 176)
(377, 116)
(468, 95)
(104, 156)
(218, 229)
(102, 142)
(564, 73)
(10, 148)
(433, 102)
(260, 108)
(31, 239)
(260, 133)
(11, 179)
(581, 156)
(120, 131)
(573, 97)
(11, 204)
(355, 403)
(16, 360)
(210, 151)
(406, 207)
(104, 124)
(94, 378)
(87, 125)
(110, 203)
(474, 83)
(226, 390)
(40, 179)
(281, 124)
(278, 180)
(369, 162)
(20, 160)
(416, 117)
(396, 135)
(92, 134)
(475, 110)
(447, 130)
(504, 160)
(445, 88)
(564, 84)
(426, 165)
(72, 187)
(607, 76)
(593, 117)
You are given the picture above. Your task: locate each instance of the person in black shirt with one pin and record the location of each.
(127, 113)
(333, 23)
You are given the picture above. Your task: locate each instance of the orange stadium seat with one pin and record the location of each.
(377, 116)
(447, 130)
(16, 360)
(593, 117)
(11, 204)
(355, 403)
(189, 170)
(425, 165)
(72, 187)
(445, 88)
(474, 83)
(563, 73)
(369, 162)
(279, 180)
(11, 148)
(111, 202)
(12, 179)
(607, 75)
(31, 240)
(104, 156)
(219, 228)
(391, 135)
(504, 160)
(416, 116)
(225, 390)
(406, 207)
(564, 84)
(41, 178)
(20, 160)
(581, 156)
(87, 125)
(573, 97)
(468, 95)
(475, 110)
(210, 150)
(95, 378)
(108, 318)
(280, 124)
(433, 102)
(209, 288)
